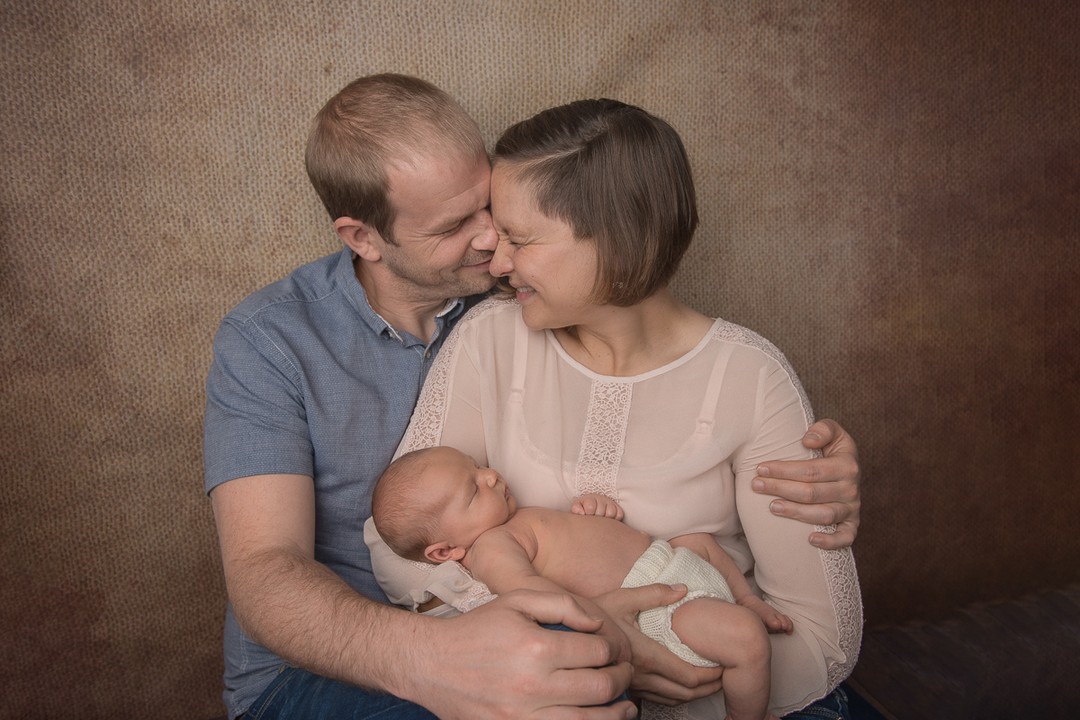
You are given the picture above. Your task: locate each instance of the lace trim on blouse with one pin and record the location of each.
(425, 428)
(604, 438)
(656, 711)
(845, 594)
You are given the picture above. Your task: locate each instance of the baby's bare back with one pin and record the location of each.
(585, 554)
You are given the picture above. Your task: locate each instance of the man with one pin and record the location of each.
(313, 383)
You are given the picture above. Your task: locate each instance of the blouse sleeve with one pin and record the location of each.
(818, 589)
(447, 413)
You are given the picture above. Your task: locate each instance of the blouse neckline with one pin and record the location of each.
(630, 379)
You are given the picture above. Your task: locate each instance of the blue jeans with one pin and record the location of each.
(299, 694)
(296, 694)
(833, 706)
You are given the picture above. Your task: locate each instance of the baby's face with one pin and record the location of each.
(475, 499)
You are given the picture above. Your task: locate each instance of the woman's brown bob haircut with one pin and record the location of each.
(371, 123)
(618, 177)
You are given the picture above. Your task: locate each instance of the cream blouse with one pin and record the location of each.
(677, 447)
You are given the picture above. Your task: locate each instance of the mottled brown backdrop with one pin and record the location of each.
(890, 192)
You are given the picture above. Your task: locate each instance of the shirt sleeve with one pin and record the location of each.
(255, 419)
(818, 589)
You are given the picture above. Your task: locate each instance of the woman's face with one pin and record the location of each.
(552, 271)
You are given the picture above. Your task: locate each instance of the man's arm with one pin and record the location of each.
(495, 661)
(822, 491)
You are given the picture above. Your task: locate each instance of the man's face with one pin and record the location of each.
(443, 232)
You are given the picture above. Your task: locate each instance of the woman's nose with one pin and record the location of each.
(501, 264)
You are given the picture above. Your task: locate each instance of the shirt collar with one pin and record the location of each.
(347, 276)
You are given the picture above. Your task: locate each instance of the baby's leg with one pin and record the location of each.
(732, 636)
(705, 545)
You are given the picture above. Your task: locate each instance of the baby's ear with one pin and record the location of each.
(440, 552)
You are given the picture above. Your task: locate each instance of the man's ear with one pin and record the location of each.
(440, 552)
(359, 237)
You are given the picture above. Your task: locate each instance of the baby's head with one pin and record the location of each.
(430, 505)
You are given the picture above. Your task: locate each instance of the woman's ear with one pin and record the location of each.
(359, 237)
(440, 552)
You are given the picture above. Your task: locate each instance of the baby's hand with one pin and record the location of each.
(593, 504)
(775, 621)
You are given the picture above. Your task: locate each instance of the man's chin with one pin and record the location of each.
(477, 285)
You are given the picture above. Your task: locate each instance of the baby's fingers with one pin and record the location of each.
(584, 506)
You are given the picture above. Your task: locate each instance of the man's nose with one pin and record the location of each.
(486, 239)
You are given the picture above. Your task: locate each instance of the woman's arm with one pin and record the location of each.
(816, 588)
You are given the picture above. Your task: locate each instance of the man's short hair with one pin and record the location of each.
(618, 177)
(371, 123)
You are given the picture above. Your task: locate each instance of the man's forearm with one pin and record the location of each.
(303, 612)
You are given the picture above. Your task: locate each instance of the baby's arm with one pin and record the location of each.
(706, 546)
(595, 504)
(503, 560)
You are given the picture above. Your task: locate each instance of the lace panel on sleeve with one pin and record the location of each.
(846, 596)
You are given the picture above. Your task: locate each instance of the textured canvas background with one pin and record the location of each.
(890, 192)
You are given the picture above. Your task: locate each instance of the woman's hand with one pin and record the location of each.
(823, 491)
(659, 676)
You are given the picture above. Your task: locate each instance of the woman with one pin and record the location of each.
(594, 378)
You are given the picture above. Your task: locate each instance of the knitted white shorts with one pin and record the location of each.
(661, 563)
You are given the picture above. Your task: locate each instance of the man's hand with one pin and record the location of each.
(659, 676)
(595, 504)
(497, 662)
(823, 491)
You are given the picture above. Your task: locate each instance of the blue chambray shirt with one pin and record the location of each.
(307, 379)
